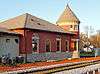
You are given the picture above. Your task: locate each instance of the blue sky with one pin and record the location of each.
(88, 11)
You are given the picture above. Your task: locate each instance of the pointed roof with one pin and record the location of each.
(68, 15)
(31, 22)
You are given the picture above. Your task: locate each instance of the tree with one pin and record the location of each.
(95, 39)
(83, 40)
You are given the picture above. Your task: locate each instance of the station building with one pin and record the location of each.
(37, 39)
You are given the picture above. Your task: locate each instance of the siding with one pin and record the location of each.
(10, 47)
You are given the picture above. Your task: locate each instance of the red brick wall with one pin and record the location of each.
(21, 40)
(47, 35)
(51, 37)
(63, 41)
(26, 41)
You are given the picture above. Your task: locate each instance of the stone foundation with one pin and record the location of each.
(48, 56)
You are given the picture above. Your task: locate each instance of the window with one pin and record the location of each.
(38, 23)
(74, 45)
(75, 27)
(35, 42)
(58, 42)
(32, 19)
(34, 45)
(16, 40)
(67, 45)
(7, 40)
(48, 47)
(71, 26)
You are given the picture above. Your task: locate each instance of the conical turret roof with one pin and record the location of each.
(68, 16)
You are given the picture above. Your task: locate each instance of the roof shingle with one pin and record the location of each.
(31, 22)
(68, 16)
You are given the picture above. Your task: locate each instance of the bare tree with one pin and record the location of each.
(95, 39)
(83, 40)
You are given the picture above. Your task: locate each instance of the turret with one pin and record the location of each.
(68, 20)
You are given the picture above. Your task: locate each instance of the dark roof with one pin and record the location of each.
(29, 21)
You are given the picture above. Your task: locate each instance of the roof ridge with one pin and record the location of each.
(26, 19)
(73, 12)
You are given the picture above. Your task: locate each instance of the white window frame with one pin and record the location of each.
(36, 37)
(77, 41)
(67, 46)
(76, 27)
(45, 45)
(58, 39)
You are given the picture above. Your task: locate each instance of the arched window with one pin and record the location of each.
(48, 45)
(73, 45)
(75, 27)
(67, 45)
(35, 42)
(58, 44)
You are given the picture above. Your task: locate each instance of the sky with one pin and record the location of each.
(88, 11)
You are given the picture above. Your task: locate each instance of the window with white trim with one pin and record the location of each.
(58, 44)
(75, 27)
(74, 45)
(48, 45)
(67, 45)
(35, 42)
